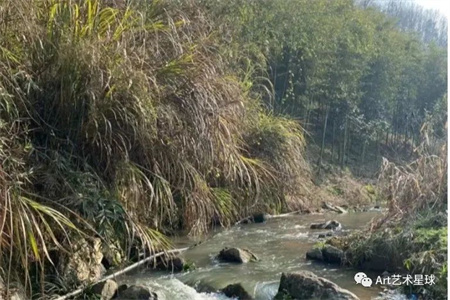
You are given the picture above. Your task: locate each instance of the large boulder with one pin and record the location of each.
(236, 291)
(106, 289)
(332, 224)
(236, 255)
(135, 292)
(84, 264)
(305, 285)
(328, 253)
(332, 254)
(315, 254)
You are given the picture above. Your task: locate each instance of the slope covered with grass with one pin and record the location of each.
(127, 122)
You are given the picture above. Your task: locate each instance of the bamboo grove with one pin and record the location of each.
(359, 80)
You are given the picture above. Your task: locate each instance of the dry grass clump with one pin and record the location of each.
(127, 121)
(412, 236)
(416, 187)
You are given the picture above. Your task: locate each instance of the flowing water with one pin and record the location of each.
(280, 244)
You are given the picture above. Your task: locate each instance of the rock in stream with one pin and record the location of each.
(328, 253)
(305, 285)
(332, 224)
(236, 291)
(236, 255)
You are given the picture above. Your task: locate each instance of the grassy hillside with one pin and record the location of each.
(129, 120)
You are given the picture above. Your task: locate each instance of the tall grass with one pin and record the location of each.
(418, 186)
(128, 122)
(412, 236)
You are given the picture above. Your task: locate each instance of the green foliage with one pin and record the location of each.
(373, 83)
(188, 266)
(319, 245)
(417, 251)
(370, 189)
(337, 191)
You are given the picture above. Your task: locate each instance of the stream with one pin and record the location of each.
(280, 244)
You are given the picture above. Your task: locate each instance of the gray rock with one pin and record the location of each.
(315, 254)
(305, 285)
(317, 226)
(106, 289)
(332, 224)
(236, 255)
(136, 292)
(236, 291)
(122, 288)
(332, 254)
(321, 236)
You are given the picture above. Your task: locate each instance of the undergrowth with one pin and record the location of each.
(126, 122)
(412, 237)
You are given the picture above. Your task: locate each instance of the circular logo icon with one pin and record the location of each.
(359, 276)
(366, 282)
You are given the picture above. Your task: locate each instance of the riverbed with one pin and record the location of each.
(279, 243)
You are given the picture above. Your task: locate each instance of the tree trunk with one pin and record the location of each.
(362, 157)
(319, 163)
(332, 141)
(344, 144)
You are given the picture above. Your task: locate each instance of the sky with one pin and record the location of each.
(442, 5)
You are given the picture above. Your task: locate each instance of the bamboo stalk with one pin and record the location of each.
(121, 272)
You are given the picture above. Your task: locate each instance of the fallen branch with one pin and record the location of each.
(292, 213)
(121, 272)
